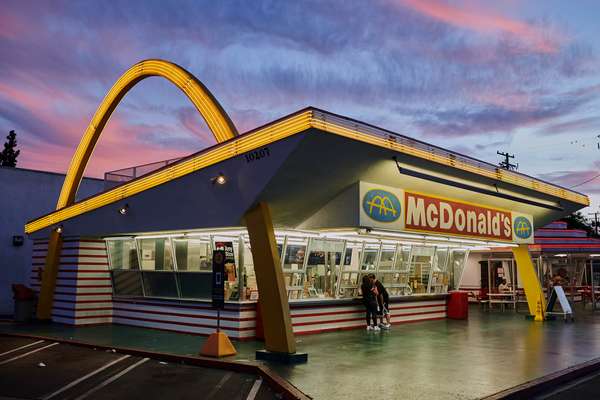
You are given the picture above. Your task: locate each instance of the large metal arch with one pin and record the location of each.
(209, 108)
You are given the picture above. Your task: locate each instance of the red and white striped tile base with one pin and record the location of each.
(238, 320)
(83, 293)
(83, 296)
(316, 318)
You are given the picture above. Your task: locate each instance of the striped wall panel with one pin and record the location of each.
(239, 322)
(83, 293)
(323, 317)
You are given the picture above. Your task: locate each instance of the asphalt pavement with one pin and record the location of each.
(47, 369)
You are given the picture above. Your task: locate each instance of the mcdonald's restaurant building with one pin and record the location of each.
(309, 203)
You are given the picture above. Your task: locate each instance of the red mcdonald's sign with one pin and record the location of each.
(432, 214)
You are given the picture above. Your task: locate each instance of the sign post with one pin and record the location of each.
(218, 343)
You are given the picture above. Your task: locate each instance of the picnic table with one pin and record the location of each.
(503, 298)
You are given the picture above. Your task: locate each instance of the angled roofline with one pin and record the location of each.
(289, 125)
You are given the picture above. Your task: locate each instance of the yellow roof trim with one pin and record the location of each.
(285, 128)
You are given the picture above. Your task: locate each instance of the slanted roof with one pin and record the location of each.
(358, 139)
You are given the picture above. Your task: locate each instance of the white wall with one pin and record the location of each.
(24, 195)
(472, 276)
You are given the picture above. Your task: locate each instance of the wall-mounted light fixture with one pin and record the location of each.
(18, 240)
(124, 209)
(220, 179)
(59, 229)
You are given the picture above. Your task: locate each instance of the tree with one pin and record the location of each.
(8, 156)
(578, 221)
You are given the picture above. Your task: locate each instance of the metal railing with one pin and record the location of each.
(126, 174)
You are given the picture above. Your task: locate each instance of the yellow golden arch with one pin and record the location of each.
(209, 108)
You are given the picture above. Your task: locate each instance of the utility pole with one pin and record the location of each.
(595, 214)
(506, 163)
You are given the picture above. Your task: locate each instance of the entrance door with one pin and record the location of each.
(485, 275)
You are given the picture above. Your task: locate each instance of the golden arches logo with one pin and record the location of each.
(522, 227)
(381, 205)
(379, 202)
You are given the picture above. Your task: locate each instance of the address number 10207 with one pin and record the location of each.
(257, 154)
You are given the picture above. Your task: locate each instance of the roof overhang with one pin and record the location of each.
(327, 123)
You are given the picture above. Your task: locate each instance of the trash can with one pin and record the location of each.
(24, 303)
(458, 305)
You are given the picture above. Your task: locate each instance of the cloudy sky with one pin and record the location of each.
(475, 77)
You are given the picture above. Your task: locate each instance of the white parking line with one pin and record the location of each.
(26, 354)
(254, 390)
(21, 348)
(219, 385)
(112, 379)
(83, 378)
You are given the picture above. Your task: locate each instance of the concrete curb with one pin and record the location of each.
(289, 391)
(540, 385)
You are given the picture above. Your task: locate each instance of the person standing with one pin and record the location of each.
(370, 301)
(383, 302)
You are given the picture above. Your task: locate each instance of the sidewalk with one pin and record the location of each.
(444, 359)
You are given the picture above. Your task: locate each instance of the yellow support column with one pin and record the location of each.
(279, 338)
(46, 298)
(530, 281)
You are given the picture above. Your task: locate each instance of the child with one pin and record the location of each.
(370, 301)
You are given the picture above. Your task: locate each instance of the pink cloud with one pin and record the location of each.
(483, 21)
(122, 143)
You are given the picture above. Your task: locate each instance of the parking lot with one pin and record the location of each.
(46, 369)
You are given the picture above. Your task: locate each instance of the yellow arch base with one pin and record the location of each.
(530, 281)
(209, 108)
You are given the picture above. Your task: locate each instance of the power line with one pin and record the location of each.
(586, 181)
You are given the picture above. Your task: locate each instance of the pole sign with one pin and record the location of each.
(218, 279)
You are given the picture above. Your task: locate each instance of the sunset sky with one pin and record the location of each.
(472, 76)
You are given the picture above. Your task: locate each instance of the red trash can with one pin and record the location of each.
(458, 305)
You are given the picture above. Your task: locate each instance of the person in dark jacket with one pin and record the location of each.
(369, 293)
(383, 302)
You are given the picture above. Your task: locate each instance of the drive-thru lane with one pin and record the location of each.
(46, 369)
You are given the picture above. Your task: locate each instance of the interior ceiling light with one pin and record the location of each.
(441, 238)
(560, 255)
(397, 234)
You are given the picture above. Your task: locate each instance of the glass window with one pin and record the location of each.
(322, 269)
(420, 261)
(124, 266)
(157, 267)
(293, 266)
(249, 277)
(193, 254)
(456, 266)
(369, 261)
(350, 273)
(122, 254)
(195, 285)
(156, 254)
(294, 256)
(386, 261)
(440, 274)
